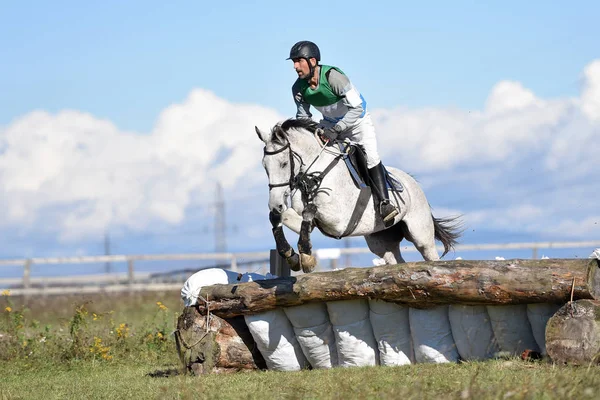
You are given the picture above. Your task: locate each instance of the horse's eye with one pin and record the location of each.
(284, 164)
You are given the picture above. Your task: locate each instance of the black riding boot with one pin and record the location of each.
(386, 209)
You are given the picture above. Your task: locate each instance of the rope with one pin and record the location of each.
(179, 339)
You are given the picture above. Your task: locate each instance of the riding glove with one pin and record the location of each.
(330, 134)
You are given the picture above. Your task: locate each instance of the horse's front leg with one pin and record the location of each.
(307, 261)
(283, 247)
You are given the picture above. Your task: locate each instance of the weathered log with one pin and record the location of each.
(227, 346)
(573, 333)
(417, 284)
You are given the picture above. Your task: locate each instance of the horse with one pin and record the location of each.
(324, 194)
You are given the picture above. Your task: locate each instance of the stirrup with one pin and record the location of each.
(388, 212)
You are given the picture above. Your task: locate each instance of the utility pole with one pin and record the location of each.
(346, 256)
(220, 225)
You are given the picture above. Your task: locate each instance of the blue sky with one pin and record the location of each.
(126, 61)
(117, 72)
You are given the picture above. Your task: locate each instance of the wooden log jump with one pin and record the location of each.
(573, 333)
(417, 284)
(220, 346)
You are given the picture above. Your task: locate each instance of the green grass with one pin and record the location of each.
(49, 349)
(492, 379)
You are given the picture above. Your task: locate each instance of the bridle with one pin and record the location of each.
(291, 182)
(307, 183)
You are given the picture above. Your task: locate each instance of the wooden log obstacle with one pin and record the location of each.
(438, 311)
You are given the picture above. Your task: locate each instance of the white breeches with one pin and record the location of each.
(363, 133)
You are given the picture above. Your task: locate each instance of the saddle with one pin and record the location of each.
(356, 161)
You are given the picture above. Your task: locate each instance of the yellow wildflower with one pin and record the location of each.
(99, 350)
(122, 331)
(161, 306)
(8, 309)
(6, 292)
(159, 335)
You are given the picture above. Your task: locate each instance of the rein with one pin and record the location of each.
(307, 183)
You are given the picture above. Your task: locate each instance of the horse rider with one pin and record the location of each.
(344, 111)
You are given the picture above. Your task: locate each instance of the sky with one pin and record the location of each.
(118, 119)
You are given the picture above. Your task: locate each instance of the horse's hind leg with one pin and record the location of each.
(386, 244)
(421, 232)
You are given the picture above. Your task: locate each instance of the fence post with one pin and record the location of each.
(278, 265)
(130, 273)
(26, 277)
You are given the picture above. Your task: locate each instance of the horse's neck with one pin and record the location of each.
(311, 151)
(307, 148)
(322, 160)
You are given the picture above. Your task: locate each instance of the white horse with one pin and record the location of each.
(325, 195)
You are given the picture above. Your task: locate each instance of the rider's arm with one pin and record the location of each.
(302, 107)
(341, 85)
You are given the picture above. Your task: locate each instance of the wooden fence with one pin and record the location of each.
(133, 280)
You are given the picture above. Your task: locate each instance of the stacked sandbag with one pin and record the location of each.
(538, 316)
(314, 333)
(276, 341)
(432, 335)
(354, 340)
(391, 329)
(472, 332)
(512, 329)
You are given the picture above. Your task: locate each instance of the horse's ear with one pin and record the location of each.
(264, 136)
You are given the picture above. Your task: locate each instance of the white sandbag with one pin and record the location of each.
(354, 340)
(512, 328)
(538, 315)
(391, 329)
(314, 333)
(206, 277)
(275, 339)
(432, 335)
(472, 332)
(212, 276)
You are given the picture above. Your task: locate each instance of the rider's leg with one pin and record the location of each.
(364, 133)
(386, 209)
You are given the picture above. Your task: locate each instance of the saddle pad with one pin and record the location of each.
(357, 165)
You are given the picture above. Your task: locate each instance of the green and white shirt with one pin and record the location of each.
(335, 97)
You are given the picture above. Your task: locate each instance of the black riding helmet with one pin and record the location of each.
(307, 50)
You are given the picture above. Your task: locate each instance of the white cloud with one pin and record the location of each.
(97, 176)
(73, 174)
(434, 139)
(590, 97)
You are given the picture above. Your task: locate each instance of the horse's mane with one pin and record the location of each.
(281, 131)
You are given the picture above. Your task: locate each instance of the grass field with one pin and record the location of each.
(120, 347)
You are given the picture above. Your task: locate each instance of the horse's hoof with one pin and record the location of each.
(294, 262)
(308, 263)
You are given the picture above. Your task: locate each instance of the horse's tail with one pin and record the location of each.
(447, 231)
